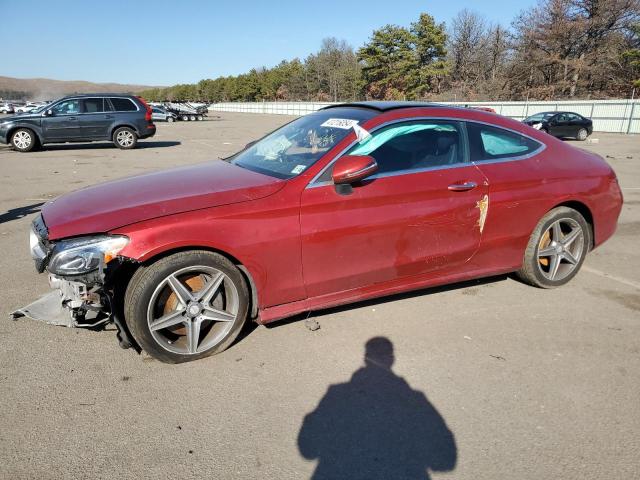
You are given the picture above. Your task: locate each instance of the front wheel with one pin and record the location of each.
(24, 140)
(186, 306)
(125, 138)
(557, 248)
(170, 119)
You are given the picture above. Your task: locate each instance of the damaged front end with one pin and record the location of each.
(81, 271)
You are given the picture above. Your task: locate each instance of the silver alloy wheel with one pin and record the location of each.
(192, 118)
(170, 119)
(125, 138)
(22, 139)
(560, 249)
(582, 134)
(186, 320)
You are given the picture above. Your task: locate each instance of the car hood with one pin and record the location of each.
(114, 204)
(19, 116)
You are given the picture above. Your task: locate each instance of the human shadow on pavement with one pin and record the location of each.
(376, 426)
(20, 212)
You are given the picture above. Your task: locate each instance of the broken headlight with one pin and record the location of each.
(83, 255)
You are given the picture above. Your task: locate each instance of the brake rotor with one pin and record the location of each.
(544, 243)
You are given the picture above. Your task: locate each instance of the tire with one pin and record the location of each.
(582, 134)
(567, 248)
(171, 119)
(192, 118)
(185, 118)
(24, 140)
(199, 118)
(164, 326)
(125, 138)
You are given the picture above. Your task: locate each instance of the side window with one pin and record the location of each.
(123, 105)
(93, 105)
(491, 143)
(413, 146)
(572, 117)
(68, 107)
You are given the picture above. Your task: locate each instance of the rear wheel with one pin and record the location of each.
(186, 306)
(24, 140)
(185, 117)
(557, 248)
(199, 118)
(192, 118)
(125, 138)
(582, 134)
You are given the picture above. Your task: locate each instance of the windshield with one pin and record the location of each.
(539, 117)
(292, 149)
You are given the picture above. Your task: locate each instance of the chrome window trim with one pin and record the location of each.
(94, 113)
(314, 183)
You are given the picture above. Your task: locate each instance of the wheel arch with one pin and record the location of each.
(124, 274)
(583, 210)
(120, 125)
(11, 131)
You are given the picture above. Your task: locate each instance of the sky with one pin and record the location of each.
(164, 42)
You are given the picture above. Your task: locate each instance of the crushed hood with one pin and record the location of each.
(114, 204)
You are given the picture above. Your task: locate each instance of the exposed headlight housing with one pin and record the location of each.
(83, 255)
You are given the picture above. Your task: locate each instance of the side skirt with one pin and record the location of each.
(278, 312)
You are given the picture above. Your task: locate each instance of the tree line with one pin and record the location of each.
(556, 49)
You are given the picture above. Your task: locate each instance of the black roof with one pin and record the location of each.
(381, 106)
(98, 94)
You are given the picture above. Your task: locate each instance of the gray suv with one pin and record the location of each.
(122, 119)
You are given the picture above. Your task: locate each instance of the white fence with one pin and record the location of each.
(619, 116)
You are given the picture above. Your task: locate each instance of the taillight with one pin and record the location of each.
(147, 115)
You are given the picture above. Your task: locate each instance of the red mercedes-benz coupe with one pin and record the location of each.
(351, 202)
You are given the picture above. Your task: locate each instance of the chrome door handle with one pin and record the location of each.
(462, 187)
(71, 118)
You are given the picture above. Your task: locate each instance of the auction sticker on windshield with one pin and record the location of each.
(343, 123)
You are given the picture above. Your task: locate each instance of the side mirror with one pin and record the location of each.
(48, 113)
(353, 168)
(250, 144)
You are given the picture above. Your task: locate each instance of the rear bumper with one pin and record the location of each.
(148, 131)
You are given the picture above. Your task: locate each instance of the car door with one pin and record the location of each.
(96, 119)
(421, 212)
(62, 123)
(560, 126)
(574, 124)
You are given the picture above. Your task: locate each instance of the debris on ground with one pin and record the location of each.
(312, 324)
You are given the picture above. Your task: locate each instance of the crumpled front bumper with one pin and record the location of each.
(48, 309)
(67, 305)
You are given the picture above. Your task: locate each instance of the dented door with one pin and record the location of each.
(391, 227)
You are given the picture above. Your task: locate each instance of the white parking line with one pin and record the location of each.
(625, 281)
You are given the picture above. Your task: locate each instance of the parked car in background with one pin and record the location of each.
(26, 108)
(7, 108)
(561, 124)
(348, 203)
(160, 114)
(122, 119)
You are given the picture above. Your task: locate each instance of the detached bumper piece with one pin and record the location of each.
(48, 309)
(68, 305)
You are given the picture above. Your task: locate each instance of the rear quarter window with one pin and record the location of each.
(493, 143)
(123, 105)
